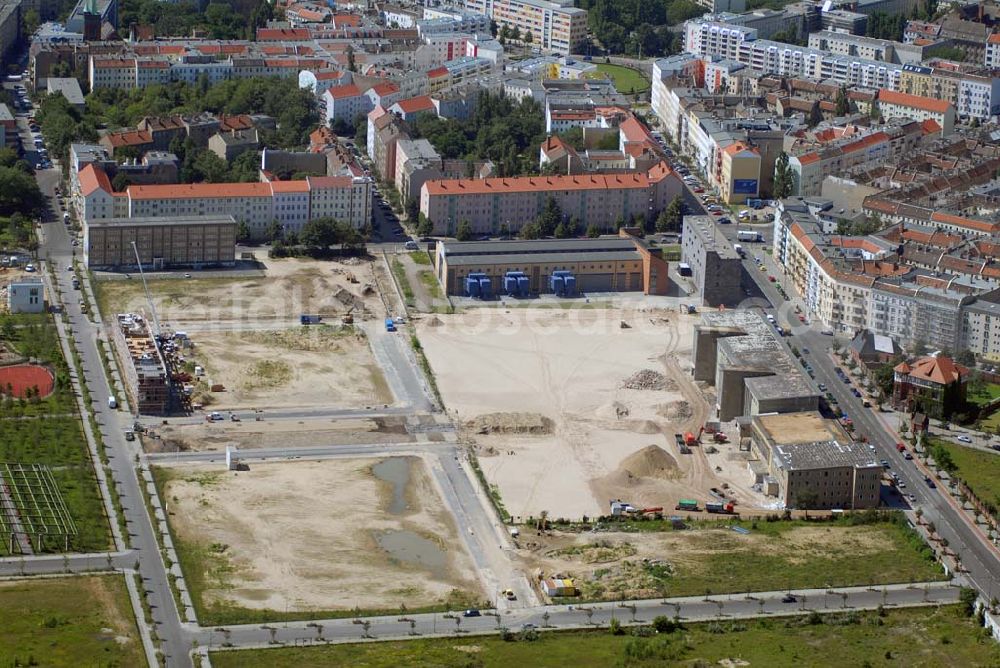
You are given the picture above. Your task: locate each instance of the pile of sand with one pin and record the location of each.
(434, 321)
(510, 423)
(647, 379)
(675, 410)
(650, 462)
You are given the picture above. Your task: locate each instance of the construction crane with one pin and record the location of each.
(149, 300)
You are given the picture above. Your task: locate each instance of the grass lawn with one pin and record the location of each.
(404, 283)
(626, 80)
(79, 621)
(987, 393)
(430, 283)
(59, 443)
(859, 550)
(672, 253)
(420, 257)
(925, 637)
(980, 470)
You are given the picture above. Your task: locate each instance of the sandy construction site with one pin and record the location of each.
(286, 288)
(599, 393)
(297, 367)
(324, 535)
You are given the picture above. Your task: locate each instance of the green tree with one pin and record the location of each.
(815, 116)
(550, 217)
(320, 233)
(561, 231)
(464, 232)
(531, 231)
(843, 104)
(528, 38)
(8, 157)
(19, 193)
(351, 64)
(593, 231)
(242, 231)
(671, 217)
(783, 179)
(120, 182)
(425, 226)
(274, 231)
(412, 209)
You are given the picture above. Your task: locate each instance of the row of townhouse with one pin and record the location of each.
(974, 94)
(130, 72)
(854, 283)
(736, 154)
(291, 203)
(857, 147)
(347, 102)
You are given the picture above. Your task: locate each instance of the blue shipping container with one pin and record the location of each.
(485, 288)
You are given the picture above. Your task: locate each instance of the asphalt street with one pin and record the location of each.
(690, 609)
(59, 252)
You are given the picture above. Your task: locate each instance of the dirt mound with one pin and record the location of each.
(675, 410)
(348, 299)
(650, 462)
(647, 379)
(434, 321)
(511, 423)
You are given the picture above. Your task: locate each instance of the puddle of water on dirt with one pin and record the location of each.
(414, 550)
(395, 471)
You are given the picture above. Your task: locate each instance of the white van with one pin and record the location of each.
(112, 402)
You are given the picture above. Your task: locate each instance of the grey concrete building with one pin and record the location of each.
(69, 88)
(193, 241)
(753, 372)
(812, 462)
(715, 265)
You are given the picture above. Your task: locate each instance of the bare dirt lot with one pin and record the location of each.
(711, 557)
(306, 366)
(327, 535)
(609, 383)
(287, 288)
(249, 434)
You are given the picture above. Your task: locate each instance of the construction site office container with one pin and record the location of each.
(485, 288)
(556, 284)
(471, 286)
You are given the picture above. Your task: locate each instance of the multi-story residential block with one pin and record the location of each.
(291, 203)
(554, 26)
(903, 105)
(488, 204)
(992, 54)
(981, 325)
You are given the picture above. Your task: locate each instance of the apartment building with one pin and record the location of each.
(892, 104)
(974, 94)
(834, 151)
(554, 26)
(981, 326)
(991, 57)
(488, 204)
(291, 203)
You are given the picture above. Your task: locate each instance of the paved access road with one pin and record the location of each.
(689, 609)
(59, 252)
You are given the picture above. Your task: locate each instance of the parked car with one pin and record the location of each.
(472, 612)
(963, 438)
(789, 598)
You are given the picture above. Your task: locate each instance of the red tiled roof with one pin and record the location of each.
(913, 101)
(199, 191)
(437, 72)
(93, 178)
(415, 104)
(940, 370)
(341, 92)
(386, 88)
(537, 183)
(282, 34)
